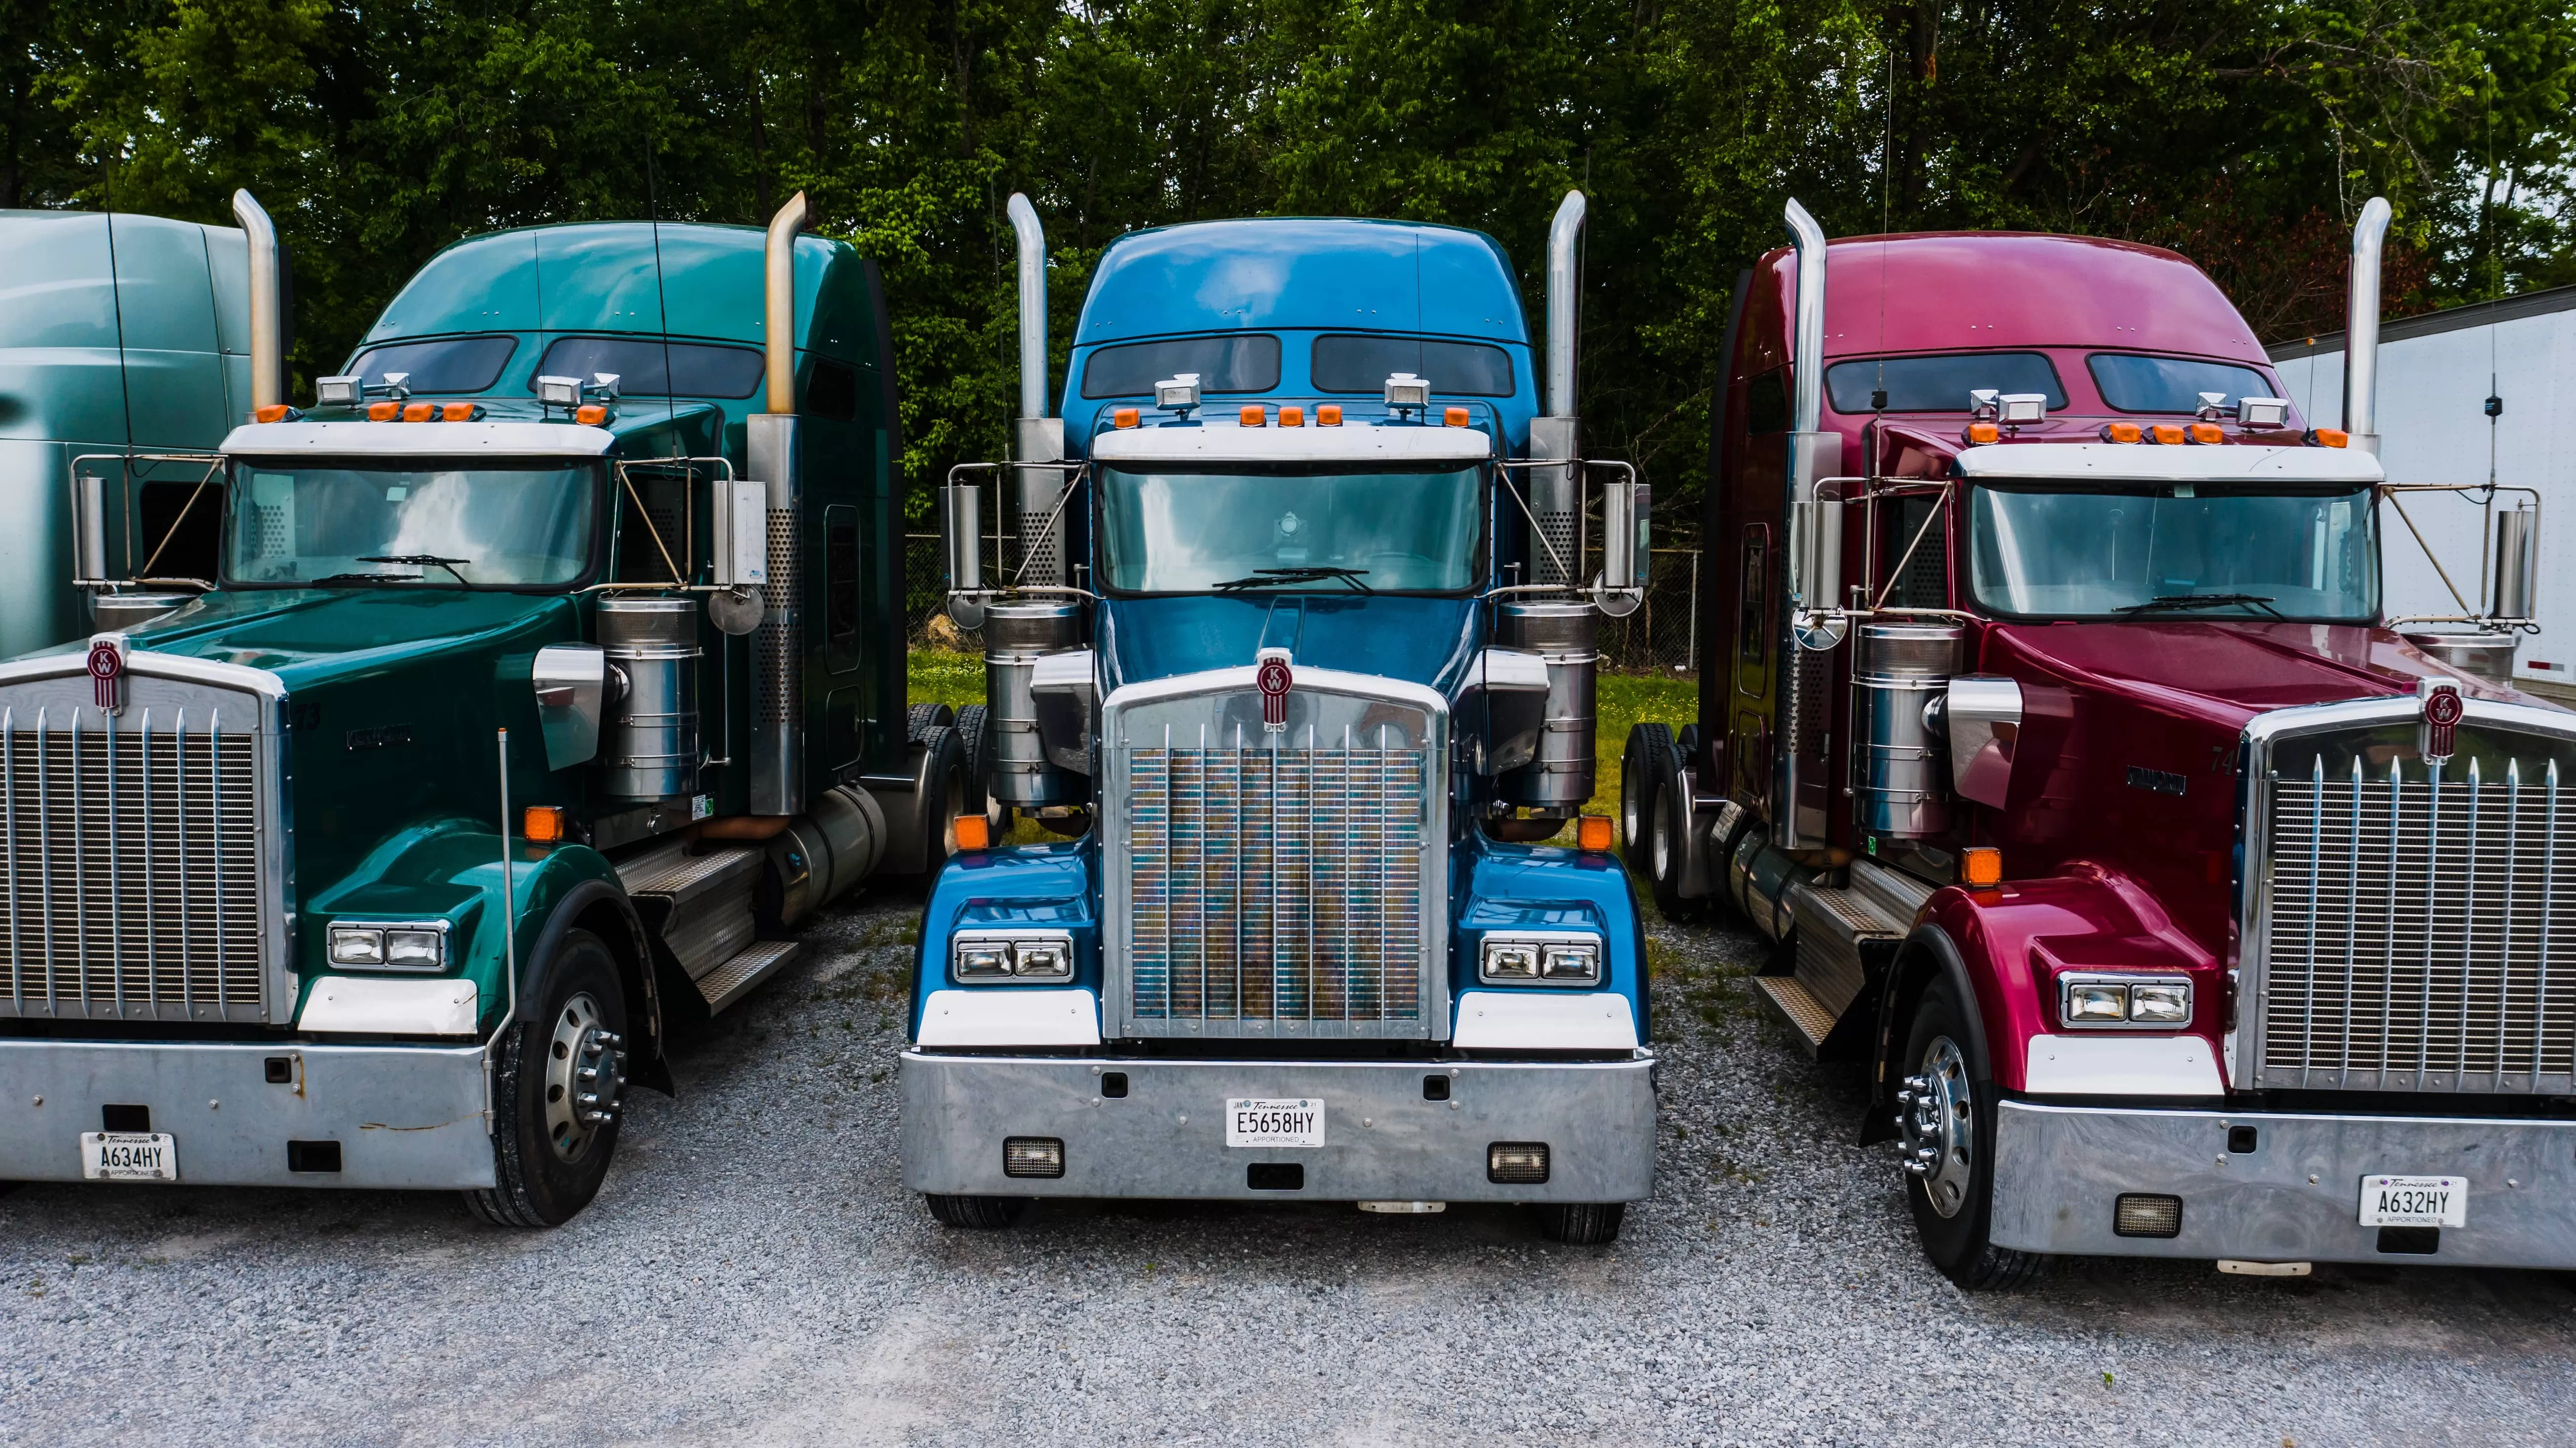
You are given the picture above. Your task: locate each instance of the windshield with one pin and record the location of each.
(2165, 552)
(1203, 532)
(423, 524)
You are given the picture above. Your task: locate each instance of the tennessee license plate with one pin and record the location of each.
(1262, 1121)
(2414, 1201)
(129, 1156)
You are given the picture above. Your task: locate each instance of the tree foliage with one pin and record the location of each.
(2242, 132)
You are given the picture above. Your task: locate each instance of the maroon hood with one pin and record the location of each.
(2224, 673)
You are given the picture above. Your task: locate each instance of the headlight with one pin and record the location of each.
(991, 956)
(390, 945)
(1542, 957)
(2155, 1003)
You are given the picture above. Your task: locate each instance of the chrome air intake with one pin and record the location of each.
(1901, 770)
(1562, 634)
(650, 747)
(1284, 883)
(1016, 636)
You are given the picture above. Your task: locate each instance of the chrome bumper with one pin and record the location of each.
(404, 1116)
(1382, 1140)
(2296, 1197)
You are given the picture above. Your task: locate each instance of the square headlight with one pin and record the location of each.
(1510, 960)
(995, 955)
(1042, 959)
(2163, 1003)
(415, 949)
(2096, 1004)
(1542, 957)
(1573, 962)
(983, 959)
(357, 945)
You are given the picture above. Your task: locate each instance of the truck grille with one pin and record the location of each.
(2417, 940)
(132, 864)
(1277, 885)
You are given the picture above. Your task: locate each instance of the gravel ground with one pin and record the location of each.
(754, 1273)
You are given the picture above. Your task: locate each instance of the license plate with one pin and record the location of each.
(129, 1156)
(1260, 1121)
(2414, 1201)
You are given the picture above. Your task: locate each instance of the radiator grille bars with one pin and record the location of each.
(2416, 941)
(1278, 885)
(132, 866)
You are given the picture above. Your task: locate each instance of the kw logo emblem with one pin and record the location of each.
(1274, 680)
(2442, 712)
(106, 667)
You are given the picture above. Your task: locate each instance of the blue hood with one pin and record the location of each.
(1420, 640)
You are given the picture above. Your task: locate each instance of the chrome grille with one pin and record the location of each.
(2416, 938)
(1277, 886)
(133, 864)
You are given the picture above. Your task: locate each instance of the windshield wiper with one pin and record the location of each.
(1272, 577)
(369, 577)
(2164, 601)
(426, 560)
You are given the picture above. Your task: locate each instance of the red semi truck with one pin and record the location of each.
(2177, 901)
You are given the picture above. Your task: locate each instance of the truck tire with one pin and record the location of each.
(983, 1214)
(942, 798)
(920, 719)
(1581, 1224)
(1646, 743)
(1948, 1109)
(548, 1158)
(973, 728)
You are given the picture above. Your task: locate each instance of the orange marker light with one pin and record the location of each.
(592, 416)
(2166, 433)
(1123, 417)
(1982, 432)
(273, 412)
(2328, 436)
(543, 824)
(974, 832)
(1292, 417)
(419, 411)
(1981, 867)
(458, 412)
(1455, 417)
(1329, 415)
(383, 411)
(1253, 416)
(1591, 832)
(2205, 433)
(2122, 432)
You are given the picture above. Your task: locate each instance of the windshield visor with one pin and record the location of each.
(1203, 532)
(299, 524)
(2148, 553)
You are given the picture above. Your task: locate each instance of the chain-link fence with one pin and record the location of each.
(1662, 636)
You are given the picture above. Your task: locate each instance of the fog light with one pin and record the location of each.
(416, 949)
(357, 945)
(1033, 1156)
(2096, 1004)
(1516, 1163)
(2160, 1003)
(2138, 1214)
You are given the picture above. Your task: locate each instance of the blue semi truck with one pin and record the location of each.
(1289, 623)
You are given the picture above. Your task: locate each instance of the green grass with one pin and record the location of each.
(1623, 700)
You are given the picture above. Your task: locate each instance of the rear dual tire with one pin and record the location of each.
(1581, 1224)
(983, 1214)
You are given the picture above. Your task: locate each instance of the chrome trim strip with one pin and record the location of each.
(142, 663)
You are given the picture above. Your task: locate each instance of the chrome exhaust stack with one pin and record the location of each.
(1815, 528)
(267, 314)
(773, 449)
(1035, 438)
(1556, 493)
(2361, 330)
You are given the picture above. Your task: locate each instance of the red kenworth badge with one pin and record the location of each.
(1274, 679)
(106, 666)
(2442, 711)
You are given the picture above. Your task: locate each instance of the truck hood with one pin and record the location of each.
(2224, 672)
(1419, 640)
(309, 637)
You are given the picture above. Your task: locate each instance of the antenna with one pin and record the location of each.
(661, 297)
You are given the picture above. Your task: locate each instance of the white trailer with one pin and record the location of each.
(2436, 374)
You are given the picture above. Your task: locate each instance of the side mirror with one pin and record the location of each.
(961, 509)
(742, 534)
(1625, 509)
(571, 684)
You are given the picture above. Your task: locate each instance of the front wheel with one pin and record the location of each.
(1581, 1224)
(558, 1091)
(1946, 1124)
(987, 1214)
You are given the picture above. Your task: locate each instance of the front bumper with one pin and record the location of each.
(404, 1116)
(2295, 1198)
(1382, 1140)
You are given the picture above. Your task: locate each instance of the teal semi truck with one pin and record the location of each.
(550, 675)
(125, 335)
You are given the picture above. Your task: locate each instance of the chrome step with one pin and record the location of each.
(700, 904)
(1805, 1014)
(734, 979)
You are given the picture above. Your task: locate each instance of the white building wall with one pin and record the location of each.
(2434, 429)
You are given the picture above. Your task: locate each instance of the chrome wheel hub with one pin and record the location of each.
(1937, 1121)
(585, 1077)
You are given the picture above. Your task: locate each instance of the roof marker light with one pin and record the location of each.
(591, 415)
(1329, 415)
(1123, 417)
(1982, 432)
(384, 411)
(2206, 433)
(2169, 434)
(274, 412)
(1454, 416)
(2122, 432)
(1253, 416)
(461, 412)
(1292, 417)
(2327, 437)
(419, 411)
